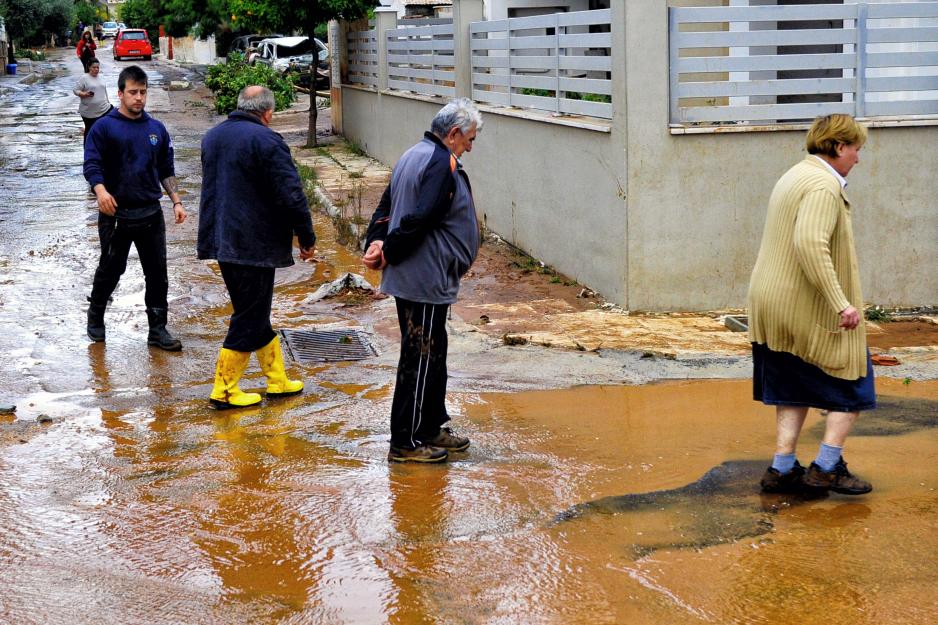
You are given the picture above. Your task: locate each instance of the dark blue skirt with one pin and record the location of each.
(783, 379)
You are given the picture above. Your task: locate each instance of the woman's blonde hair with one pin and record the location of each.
(829, 131)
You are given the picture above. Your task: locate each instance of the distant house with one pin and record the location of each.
(501, 9)
(421, 8)
(494, 9)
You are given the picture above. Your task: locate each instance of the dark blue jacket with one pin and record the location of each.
(129, 157)
(252, 196)
(428, 223)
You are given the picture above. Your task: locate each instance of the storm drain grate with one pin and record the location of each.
(315, 346)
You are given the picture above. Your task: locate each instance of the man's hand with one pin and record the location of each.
(106, 202)
(374, 256)
(179, 212)
(306, 253)
(86, 94)
(849, 318)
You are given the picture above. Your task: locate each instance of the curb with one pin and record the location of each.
(329, 209)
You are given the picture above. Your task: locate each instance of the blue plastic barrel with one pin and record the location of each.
(11, 69)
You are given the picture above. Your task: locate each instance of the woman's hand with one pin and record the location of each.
(849, 318)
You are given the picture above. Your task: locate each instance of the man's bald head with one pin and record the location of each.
(256, 100)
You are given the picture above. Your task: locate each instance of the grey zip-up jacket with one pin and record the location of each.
(428, 223)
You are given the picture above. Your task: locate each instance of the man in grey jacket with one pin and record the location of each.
(425, 236)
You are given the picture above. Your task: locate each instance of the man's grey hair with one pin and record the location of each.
(260, 100)
(460, 113)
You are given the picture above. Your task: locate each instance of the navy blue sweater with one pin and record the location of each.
(252, 197)
(130, 157)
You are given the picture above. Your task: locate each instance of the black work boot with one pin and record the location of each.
(838, 479)
(158, 335)
(423, 453)
(96, 322)
(448, 441)
(791, 482)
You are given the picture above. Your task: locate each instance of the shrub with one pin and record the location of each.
(228, 79)
(877, 314)
(590, 97)
(32, 55)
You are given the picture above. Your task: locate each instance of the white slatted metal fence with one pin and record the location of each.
(420, 58)
(735, 65)
(363, 57)
(560, 62)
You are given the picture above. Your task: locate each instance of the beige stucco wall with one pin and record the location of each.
(551, 189)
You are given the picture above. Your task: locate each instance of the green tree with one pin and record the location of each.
(289, 15)
(59, 16)
(22, 18)
(86, 12)
(33, 20)
(142, 14)
(198, 17)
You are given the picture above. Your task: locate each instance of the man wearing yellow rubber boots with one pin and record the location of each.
(251, 206)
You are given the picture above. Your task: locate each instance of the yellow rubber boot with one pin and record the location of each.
(228, 371)
(271, 360)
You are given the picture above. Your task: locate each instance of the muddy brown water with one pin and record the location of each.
(135, 503)
(176, 513)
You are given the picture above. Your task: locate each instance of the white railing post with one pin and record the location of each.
(557, 62)
(385, 20)
(860, 72)
(464, 13)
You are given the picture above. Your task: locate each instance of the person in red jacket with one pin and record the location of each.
(85, 49)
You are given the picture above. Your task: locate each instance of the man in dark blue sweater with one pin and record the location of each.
(128, 157)
(251, 206)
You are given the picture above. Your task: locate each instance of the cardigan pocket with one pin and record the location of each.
(827, 348)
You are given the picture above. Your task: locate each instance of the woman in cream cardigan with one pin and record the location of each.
(808, 338)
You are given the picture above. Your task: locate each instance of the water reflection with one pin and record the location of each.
(419, 502)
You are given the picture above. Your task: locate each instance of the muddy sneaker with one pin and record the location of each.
(840, 480)
(791, 482)
(449, 441)
(423, 453)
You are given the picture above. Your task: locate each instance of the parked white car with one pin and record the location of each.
(291, 53)
(109, 29)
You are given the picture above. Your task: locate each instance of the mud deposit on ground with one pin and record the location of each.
(903, 334)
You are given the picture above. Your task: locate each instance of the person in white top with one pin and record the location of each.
(94, 103)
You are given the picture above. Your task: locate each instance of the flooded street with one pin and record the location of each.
(125, 499)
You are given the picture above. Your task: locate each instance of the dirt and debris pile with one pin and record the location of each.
(350, 288)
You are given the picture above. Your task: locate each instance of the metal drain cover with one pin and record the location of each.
(315, 346)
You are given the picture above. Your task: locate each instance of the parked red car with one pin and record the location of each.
(134, 43)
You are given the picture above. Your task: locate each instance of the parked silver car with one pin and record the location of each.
(109, 29)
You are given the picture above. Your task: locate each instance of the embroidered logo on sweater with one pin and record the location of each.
(154, 139)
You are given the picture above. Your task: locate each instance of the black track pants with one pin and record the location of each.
(418, 409)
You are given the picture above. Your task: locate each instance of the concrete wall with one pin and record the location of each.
(655, 221)
(552, 190)
(191, 49)
(697, 202)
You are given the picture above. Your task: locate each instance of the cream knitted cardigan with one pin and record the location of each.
(806, 273)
